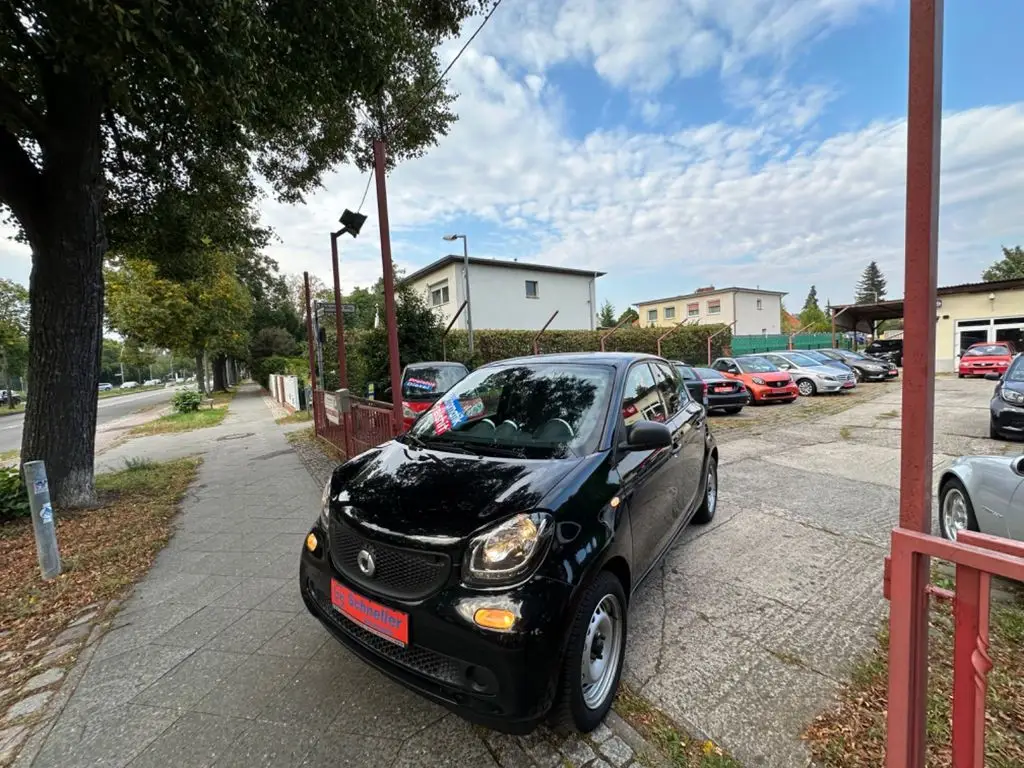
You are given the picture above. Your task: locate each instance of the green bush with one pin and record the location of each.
(13, 497)
(187, 401)
(262, 367)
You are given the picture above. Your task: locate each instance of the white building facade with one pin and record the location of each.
(754, 311)
(509, 295)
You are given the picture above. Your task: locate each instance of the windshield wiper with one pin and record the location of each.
(414, 441)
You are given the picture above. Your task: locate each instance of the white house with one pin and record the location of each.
(509, 295)
(755, 311)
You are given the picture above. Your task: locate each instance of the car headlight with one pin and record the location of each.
(1011, 396)
(830, 378)
(758, 380)
(325, 505)
(509, 551)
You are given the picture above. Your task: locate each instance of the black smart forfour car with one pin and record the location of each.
(486, 557)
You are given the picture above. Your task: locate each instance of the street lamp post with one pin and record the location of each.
(465, 274)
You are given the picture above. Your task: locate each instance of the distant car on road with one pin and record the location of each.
(151, 383)
(1006, 410)
(130, 385)
(983, 358)
(763, 381)
(6, 396)
(984, 494)
(811, 376)
(106, 387)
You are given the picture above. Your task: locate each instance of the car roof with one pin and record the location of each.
(594, 358)
(436, 364)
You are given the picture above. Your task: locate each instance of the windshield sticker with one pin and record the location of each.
(473, 407)
(427, 386)
(448, 415)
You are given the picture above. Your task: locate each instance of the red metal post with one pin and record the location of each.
(309, 335)
(444, 336)
(908, 646)
(971, 665)
(667, 333)
(536, 339)
(380, 168)
(613, 330)
(339, 315)
(717, 333)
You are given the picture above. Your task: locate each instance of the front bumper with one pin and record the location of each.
(768, 394)
(505, 681)
(828, 387)
(1007, 418)
(981, 370)
(730, 400)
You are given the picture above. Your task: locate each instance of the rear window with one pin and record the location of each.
(685, 371)
(987, 349)
(709, 373)
(426, 382)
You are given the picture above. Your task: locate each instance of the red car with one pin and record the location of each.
(424, 383)
(762, 379)
(983, 357)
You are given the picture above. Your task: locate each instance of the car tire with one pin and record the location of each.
(993, 430)
(733, 410)
(951, 487)
(858, 376)
(806, 387)
(572, 710)
(750, 394)
(961, 376)
(706, 512)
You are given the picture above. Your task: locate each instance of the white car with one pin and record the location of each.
(151, 383)
(811, 376)
(984, 494)
(105, 387)
(129, 385)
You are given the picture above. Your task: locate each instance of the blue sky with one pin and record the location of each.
(679, 143)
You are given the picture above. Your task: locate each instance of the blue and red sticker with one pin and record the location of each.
(448, 414)
(427, 386)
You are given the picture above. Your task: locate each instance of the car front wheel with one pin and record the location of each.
(956, 513)
(706, 513)
(593, 660)
(806, 387)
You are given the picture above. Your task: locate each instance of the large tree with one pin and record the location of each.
(812, 318)
(871, 286)
(105, 106)
(606, 317)
(1009, 267)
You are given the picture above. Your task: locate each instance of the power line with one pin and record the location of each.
(450, 65)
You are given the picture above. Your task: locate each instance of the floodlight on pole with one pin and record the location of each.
(465, 274)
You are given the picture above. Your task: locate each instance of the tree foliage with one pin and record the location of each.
(871, 286)
(812, 318)
(606, 317)
(1011, 266)
(14, 312)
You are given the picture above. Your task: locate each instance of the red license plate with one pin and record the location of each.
(379, 619)
(723, 389)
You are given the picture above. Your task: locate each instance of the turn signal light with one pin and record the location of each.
(495, 618)
(312, 542)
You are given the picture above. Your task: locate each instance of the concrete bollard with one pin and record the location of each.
(43, 523)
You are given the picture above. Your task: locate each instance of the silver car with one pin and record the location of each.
(812, 377)
(983, 493)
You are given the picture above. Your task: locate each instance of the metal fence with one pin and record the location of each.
(367, 424)
(748, 345)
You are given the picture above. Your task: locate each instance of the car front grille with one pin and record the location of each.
(420, 660)
(407, 574)
(778, 384)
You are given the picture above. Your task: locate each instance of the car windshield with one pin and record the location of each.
(1015, 372)
(709, 373)
(987, 349)
(817, 357)
(426, 382)
(801, 360)
(755, 365)
(850, 355)
(533, 410)
(685, 372)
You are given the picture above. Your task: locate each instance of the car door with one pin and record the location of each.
(687, 419)
(649, 479)
(1015, 501)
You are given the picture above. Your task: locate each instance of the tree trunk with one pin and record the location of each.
(219, 373)
(200, 373)
(66, 294)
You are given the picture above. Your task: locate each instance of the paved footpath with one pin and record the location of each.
(213, 660)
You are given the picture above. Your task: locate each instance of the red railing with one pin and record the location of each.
(977, 558)
(367, 424)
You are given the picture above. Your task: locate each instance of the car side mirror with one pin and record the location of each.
(647, 436)
(994, 376)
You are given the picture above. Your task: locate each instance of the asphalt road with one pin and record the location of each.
(110, 409)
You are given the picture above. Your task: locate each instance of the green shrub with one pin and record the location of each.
(13, 497)
(187, 401)
(262, 367)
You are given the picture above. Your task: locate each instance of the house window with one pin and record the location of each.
(670, 313)
(715, 307)
(531, 289)
(652, 315)
(439, 293)
(760, 304)
(693, 310)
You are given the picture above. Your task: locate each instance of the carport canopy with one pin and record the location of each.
(865, 317)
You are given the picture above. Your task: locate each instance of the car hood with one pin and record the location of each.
(401, 490)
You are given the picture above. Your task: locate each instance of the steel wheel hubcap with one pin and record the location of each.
(954, 513)
(712, 492)
(602, 649)
(806, 388)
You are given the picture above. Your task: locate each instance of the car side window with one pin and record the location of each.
(777, 361)
(640, 399)
(673, 391)
(721, 365)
